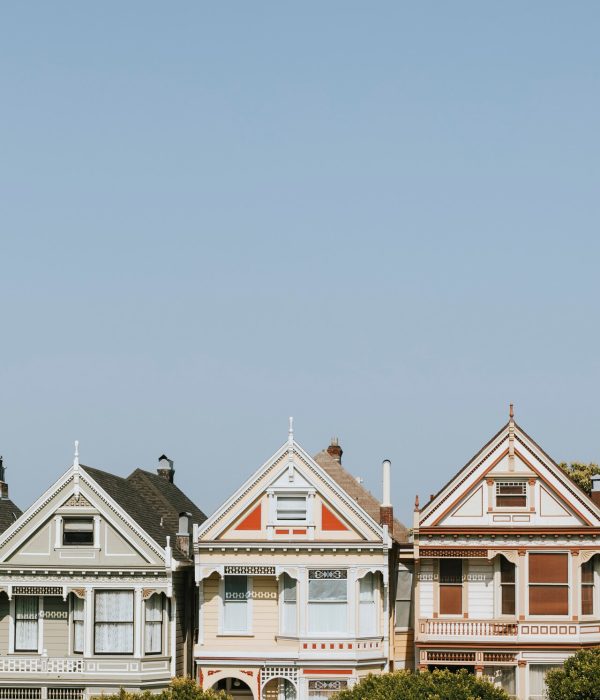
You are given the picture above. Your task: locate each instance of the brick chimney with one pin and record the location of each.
(386, 511)
(335, 450)
(165, 468)
(3, 484)
(596, 489)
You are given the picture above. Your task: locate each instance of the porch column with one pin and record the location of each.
(88, 624)
(575, 584)
(139, 623)
(521, 583)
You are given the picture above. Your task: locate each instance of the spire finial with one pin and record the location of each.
(417, 502)
(511, 411)
(76, 456)
(291, 430)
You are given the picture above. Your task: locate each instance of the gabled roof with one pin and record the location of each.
(363, 497)
(153, 502)
(9, 512)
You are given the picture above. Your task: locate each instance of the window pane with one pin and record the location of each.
(289, 589)
(537, 685)
(236, 588)
(549, 600)
(78, 604)
(153, 625)
(403, 613)
(327, 590)
(404, 583)
(508, 599)
(235, 616)
(587, 600)
(450, 600)
(451, 571)
(83, 525)
(503, 677)
(26, 623)
(114, 606)
(291, 507)
(548, 568)
(507, 570)
(587, 572)
(327, 618)
(367, 588)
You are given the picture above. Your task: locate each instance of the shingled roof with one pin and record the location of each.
(152, 501)
(9, 512)
(365, 499)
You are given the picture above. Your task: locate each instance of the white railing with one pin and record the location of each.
(40, 664)
(468, 628)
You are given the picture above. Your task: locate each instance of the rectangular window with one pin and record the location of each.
(511, 494)
(26, 623)
(587, 588)
(291, 508)
(327, 601)
(113, 622)
(367, 611)
(235, 604)
(78, 618)
(289, 594)
(404, 596)
(78, 531)
(548, 584)
(504, 677)
(153, 624)
(507, 586)
(451, 580)
(537, 682)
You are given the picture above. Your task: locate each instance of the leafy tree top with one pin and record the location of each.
(426, 685)
(578, 679)
(581, 474)
(179, 689)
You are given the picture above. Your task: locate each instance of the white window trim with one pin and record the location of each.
(136, 622)
(59, 521)
(282, 632)
(498, 593)
(248, 632)
(350, 603)
(596, 575)
(163, 640)
(376, 603)
(509, 509)
(12, 627)
(569, 588)
(296, 493)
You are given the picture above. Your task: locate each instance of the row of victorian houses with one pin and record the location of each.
(301, 583)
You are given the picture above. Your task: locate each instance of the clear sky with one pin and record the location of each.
(381, 218)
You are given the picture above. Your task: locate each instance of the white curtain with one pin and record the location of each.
(235, 604)
(367, 613)
(288, 615)
(327, 606)
(26, 623)
(153, 626)
(114, 622)
(537, 686)
(78, 618)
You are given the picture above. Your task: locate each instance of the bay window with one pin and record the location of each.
(113, 622)
(548, 584)
(451, 586)
(235, 604)
(367, 618)
(26, 623)
(78, 618)
(587, 587)
(507, 586)
(289, 594)
(153, 624)
(327, 601)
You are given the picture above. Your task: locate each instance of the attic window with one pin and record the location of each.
(78, 531)
(511, 494)
(291, 508)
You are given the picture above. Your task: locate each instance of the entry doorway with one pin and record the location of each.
(234, 687)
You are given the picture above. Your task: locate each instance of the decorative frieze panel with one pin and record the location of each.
(249, 571)
(37, 590)
(451, 656)
(462, 553)
(271, 672)
(320, 574)
(331, 685)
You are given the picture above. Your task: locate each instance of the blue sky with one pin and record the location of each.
(380, 218)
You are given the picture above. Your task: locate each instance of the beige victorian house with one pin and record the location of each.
(295, 573)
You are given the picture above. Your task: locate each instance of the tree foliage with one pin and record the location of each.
(426, 685)
(179, 689)
(578, 679)
(581, 474)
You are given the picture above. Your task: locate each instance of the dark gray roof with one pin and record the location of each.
(152, 502)
(9, 512)
(365, 499)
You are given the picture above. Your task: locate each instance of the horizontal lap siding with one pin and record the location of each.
(56, 626)
(426, 588)
(480, 589)
(4, 610)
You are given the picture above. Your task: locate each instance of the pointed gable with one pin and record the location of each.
(511, 482)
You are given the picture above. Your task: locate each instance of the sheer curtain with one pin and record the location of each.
(367, 613)
(26, 623)
(154, 624)
(235, 604)
(288, 598)
(114, 622)
(327, 605)
(537, 686)
(78, 618)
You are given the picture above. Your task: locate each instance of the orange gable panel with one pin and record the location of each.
(252, 521)
(329, 521)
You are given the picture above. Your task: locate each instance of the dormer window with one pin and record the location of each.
(291, 508)
(511, 494)
(78, 531)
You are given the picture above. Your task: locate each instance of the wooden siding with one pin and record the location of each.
(426, 588)
(480, 587)
(56, 626)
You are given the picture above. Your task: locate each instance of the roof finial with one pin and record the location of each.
(76, 456)
(291, 431)
(511, 411)
(417, 502)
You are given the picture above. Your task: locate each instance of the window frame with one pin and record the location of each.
(455, 584)
(312, 602)
(500, 585)
(104, 622)
(409, 572)
(74, 622)
(38, 620)
(282, 617)
(538, 584)
(247, 632)
(592, 564)
(64, 530)
(160, 623)
(511, 483)
(291, 495)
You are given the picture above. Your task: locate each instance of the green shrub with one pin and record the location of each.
(434, 685)
(180, 688)
(578, 679)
